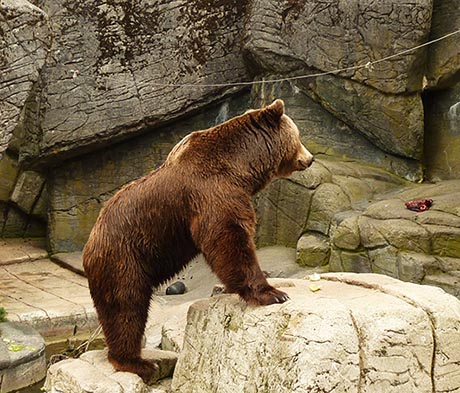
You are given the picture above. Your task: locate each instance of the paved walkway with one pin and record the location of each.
(39, 292)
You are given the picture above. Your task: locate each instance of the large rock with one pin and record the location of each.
(357, 333)
(92, 373)
(340, 34)
(392, 122)
(22, 356)
(109, 61)
(309, 200)
(26, 39)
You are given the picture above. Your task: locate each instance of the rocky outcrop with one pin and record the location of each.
(308, 201)
(336, 34)
(442, 147)
(443, 63)
(357, 333)
(388, 238)
(339, 333)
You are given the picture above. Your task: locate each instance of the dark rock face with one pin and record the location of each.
(26, 40)
(340, 34)
(100, 83)
(442, 133)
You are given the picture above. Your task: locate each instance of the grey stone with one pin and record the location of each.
(342, 34)
(445, 241)
(22, 356)
(27, 190)
(412, 266)
(17, 224)
(355, 262)
(394, 123)
(313, 250)
(327, 200)
(282, 211)
(384, 261)
(450, 283)
(346, 236)
(176, 288)
(9, 172)
(442, 147)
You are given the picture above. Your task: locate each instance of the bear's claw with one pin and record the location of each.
(269, 296)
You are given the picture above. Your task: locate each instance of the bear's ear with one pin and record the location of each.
(275, 109)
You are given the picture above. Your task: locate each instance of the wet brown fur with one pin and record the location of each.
(199, 200)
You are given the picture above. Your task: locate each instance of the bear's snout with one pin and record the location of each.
(305, 159)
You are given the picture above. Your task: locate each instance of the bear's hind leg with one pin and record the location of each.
(123, 320)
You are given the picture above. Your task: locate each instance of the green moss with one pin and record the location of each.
(3, 314)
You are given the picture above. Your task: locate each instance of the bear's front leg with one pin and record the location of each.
(230, 251)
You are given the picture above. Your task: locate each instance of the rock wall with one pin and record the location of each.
(95, 93)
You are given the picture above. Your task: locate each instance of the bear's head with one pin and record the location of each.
(249, 150)
(294, 156)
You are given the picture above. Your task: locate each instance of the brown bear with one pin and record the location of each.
(197, 201)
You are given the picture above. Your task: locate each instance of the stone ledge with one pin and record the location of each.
(357, 333)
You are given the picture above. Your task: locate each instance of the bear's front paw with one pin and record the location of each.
(268, 296)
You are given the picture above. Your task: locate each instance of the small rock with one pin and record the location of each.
(177, 288)
(22, 356)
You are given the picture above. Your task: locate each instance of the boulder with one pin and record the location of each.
(386, 237)
(309, 200)
(9, 171)
(338, 34)
(313, 250)
(392, 122)
(92, 373)
(356, 333)
(22, 356)
(27, 190)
